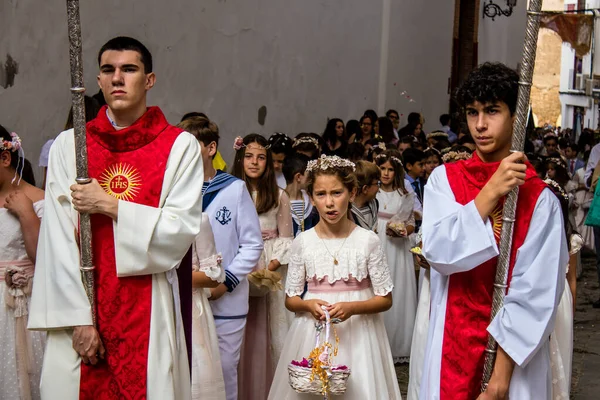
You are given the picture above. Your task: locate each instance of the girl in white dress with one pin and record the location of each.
(207, 375)
(21, 207)
(397, 202)
(267, 322)
(346, 271)
(561, 340)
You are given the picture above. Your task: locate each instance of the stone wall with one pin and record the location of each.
(546, 79)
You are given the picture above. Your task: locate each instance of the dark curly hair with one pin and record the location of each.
(488, 83)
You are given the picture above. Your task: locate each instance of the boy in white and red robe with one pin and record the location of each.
(145, 206)
(462, 220)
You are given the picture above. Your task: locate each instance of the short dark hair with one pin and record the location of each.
(445, 119)
(122, 43)
(392, 111)
(414, 118)
(550, 137)
(489, 83)
(355, 151)
(573, 147)
(412, 156)
(202, 129)
(294, 164)
(407, 140)
(371, 114)
(193, 114)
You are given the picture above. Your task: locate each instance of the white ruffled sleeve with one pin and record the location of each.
(379, 271)
(212, 268)
(296, 274)
(285, 229)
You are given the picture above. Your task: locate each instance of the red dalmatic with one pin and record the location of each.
(470, 293)
(129, 164)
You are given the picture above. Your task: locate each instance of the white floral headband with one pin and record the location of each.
(436, 134)
(380, 145)
(453, 156)
(555, 184)
(439, 153)
(326, 162)
(558, 161)
(306, 139)
(238, 144)
(392, 158)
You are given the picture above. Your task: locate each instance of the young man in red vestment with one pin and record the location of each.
(462, 220)
(145, 205)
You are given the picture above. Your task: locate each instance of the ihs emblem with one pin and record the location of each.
(121, 181)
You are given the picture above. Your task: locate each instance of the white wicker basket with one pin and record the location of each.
(301, 378)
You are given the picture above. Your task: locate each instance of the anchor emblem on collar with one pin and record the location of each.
(223, 216)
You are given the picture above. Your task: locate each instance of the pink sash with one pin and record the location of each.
(268, 235)
(26, 265)
(323, 286)
(16, 299)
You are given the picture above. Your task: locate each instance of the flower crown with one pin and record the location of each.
(306, 139)
(13, 145)
(238, 144)
(453, 156)
(326, 162)
(439, 153)
(392, 158)
(556, 160)
(555, 184)
(435, 134)
(380, 145)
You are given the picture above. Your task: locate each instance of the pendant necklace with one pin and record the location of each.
(335, 260)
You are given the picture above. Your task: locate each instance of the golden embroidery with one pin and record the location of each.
(121, 181)
(496, 218)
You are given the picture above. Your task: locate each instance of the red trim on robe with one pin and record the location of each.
(469, 302)
(130, 164)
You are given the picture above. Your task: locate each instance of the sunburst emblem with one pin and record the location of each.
(496, 217)
(121, 181)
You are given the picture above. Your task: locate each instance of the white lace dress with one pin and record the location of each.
(400, 319)
(268, 320)
(21, 351)
(561, 340)
(207, 375)
(362, 272)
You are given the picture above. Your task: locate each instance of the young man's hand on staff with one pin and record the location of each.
(87, 343)
(509, 175)
(90, 198)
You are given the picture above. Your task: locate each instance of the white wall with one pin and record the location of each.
(304, 60)
(501, 40)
